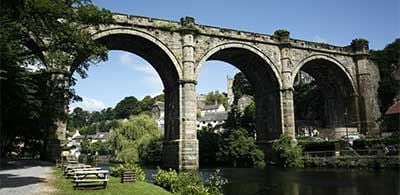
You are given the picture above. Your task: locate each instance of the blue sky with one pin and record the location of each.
(335, 22)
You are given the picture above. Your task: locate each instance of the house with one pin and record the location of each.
(212, 119)
(158, 114)
(393, 116)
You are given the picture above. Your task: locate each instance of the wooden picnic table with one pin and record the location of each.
(71, 172)
(75, 166)
(90, 177)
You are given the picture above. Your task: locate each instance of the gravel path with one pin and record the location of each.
(24, 177)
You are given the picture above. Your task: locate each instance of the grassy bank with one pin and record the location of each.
(64, 187)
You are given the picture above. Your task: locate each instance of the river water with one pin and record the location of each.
(273, 180)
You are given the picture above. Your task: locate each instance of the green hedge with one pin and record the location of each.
(344, 162)
(309, 146)
(378, 142)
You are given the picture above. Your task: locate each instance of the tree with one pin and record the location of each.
(241, 86)
(248, 119)
(78, 118)
(239, 149)
(387, 61)
(126, 107)
(214, 97)
(46, 35)
(130, 135)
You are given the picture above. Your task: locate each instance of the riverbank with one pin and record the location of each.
(65, 187)
(353, 162)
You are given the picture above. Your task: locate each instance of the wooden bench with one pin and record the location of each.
(90, 177)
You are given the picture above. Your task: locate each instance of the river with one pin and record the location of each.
(273, 180)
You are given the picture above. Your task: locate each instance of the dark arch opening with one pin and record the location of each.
(266, 87)
(324, 100)
(164, 66)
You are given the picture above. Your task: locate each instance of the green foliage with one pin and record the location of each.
(241, 86)
(99, 147)
(308, 102)
(387, 61)
(216, 97)
(215, 182)
(166, 179)
(85, 145)
(248, 119)
(150, 150)
(78, 118)
(189, 183)
(240, 150)
(377, 142)
(126, 107)
(281, 33)
(359, 43)
(288, 155)
(47, 35)
(130, 135)
(331, 145)
(345, 162)
(136, 169)
(208, 146)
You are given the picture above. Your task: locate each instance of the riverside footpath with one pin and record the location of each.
(20, 177)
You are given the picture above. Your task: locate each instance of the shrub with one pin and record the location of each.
(373, 143)
(117, 171)
(189, 183)
(239, 149)
(281, 33)
(308, 145)
(150, 150)
(215, 182)
(288, 155)
(165, 179)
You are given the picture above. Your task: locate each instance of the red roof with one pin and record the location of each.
(394, 109)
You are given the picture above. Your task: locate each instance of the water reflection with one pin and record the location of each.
(276, 181)
(310, 181)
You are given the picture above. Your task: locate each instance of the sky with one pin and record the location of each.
(335, 22)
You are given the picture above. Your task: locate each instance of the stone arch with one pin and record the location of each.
(160, 57)
(98, 35)
(264, 77)
(338, 93)
(255, 50)
(322, 57)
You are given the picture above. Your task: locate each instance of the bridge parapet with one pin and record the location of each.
(176, 26)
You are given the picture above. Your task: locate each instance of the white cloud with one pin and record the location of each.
(88, 104)
(320, 39)
(152, 78)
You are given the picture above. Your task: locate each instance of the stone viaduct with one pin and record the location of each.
(177, 51)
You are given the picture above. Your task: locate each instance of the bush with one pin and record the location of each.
(288, 155)
(215, 182)
(117, 171)
(281, 33)
(150, 150)
(240, 150)
(189, 183)
(309, 146)
(208, 146)
(374, 143)
(166, 179)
